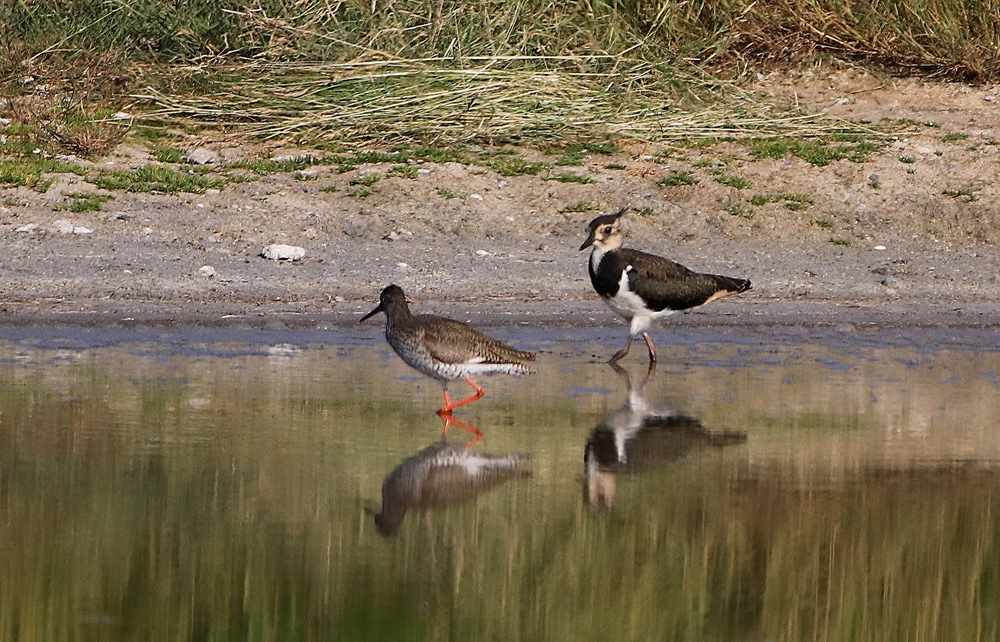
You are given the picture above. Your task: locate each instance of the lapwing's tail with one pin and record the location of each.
(730, 284)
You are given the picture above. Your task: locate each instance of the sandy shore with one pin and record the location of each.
(882, 244)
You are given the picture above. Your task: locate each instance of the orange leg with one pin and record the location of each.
(477, 434)
(449, 406)
(652, 348)
(621, 353)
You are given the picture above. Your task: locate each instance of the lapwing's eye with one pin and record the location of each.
(607, 229)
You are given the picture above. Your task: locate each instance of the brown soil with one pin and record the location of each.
(509, 249)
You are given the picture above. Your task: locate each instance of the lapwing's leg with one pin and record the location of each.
(449, 406)
(621, 353)
(477, 434)
(652, 348)
(650, 373)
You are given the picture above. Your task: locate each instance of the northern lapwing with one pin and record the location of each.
(644, 287)
(444, 349)
(641, 436)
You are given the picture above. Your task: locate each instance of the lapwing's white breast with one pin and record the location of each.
(630, 305)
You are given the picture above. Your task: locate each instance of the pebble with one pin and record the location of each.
(279, 252)
(67, 227)
(889, 282)
(880, 248)
(28, 229)
(482, 253)
(475, 197)
(200, 156)
(206, 271)
(844, 327)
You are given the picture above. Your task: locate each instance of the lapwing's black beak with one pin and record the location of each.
(588, 242)
(371, 314)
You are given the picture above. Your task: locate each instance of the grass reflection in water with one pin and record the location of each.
(193, 497)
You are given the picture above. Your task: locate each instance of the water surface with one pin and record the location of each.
(213, 485)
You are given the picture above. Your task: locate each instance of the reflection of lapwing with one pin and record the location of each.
(441, 475)
(444, 349)
(639, 437)
(644, 287)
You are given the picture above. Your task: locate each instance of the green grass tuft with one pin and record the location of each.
(167, 154)
(87, 201)
(677, 178)
(966, 195)
(816, 152)
(405, 171)
(517, 166)
(732, 180)
(367, 180)
(156, 179)
(582, 206)
(737, 209)
(448, 192)
(569, 177)
(792, 201)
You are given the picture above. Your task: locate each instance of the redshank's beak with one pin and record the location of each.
(589, 241)
(372, 313)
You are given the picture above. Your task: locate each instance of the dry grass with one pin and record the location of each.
(491, 100)
(447, 72)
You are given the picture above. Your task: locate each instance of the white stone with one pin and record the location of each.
(29, 228)
(482, 253)
(200, 156)
(63, 227)
(279, 252)
(79, 229)
(206, 271)
(475, 197)
(123, 115)
(879, 248)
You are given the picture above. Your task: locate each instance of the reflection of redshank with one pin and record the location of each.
(444, 349)
(441, 475)
(643, 287)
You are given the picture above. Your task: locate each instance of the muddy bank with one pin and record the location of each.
(908, 237)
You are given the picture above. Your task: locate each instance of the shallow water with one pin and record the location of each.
(213, 485)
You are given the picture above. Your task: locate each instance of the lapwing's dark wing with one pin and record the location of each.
(664, 284)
